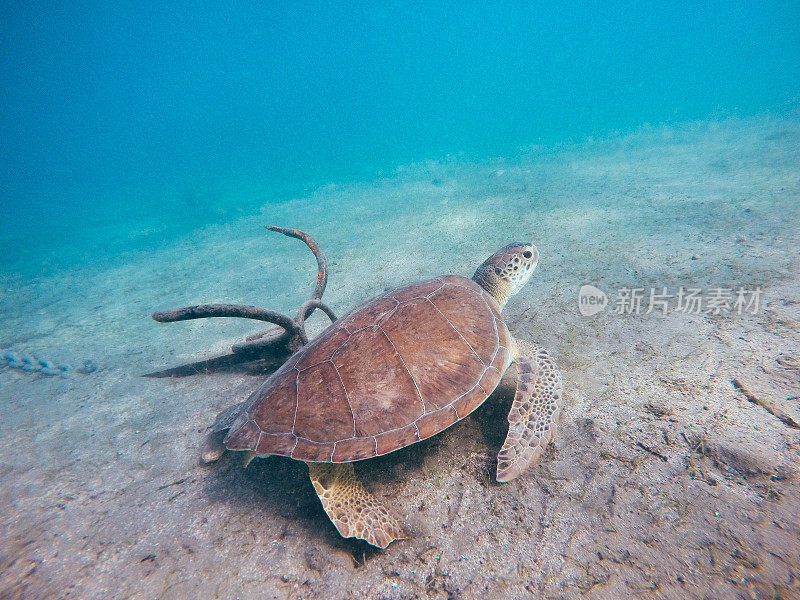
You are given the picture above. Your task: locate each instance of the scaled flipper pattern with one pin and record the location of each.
(534, 412)
(352, 509)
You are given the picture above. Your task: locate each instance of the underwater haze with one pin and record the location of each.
(647, 430)
(159, 118)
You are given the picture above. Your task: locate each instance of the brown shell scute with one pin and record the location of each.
(315, 386)
(437, 357)
(469, 311)
(373, 375)
(401, 368)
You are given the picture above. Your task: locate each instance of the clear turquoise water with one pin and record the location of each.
(159, 120)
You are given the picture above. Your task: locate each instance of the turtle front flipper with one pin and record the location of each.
(352, 509)
(534, 412)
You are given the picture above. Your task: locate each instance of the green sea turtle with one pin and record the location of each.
(399, 369)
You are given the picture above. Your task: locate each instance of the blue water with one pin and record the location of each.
(144, 118)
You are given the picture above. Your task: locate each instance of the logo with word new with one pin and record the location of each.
(591, 300)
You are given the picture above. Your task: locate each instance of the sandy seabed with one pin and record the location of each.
(676, 469)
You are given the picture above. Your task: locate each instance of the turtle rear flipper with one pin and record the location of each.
(352, 509)
(534, 412)
(213, 448)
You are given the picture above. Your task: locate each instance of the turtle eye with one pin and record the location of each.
(527, 254)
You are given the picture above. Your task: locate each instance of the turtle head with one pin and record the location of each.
(507, 271)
